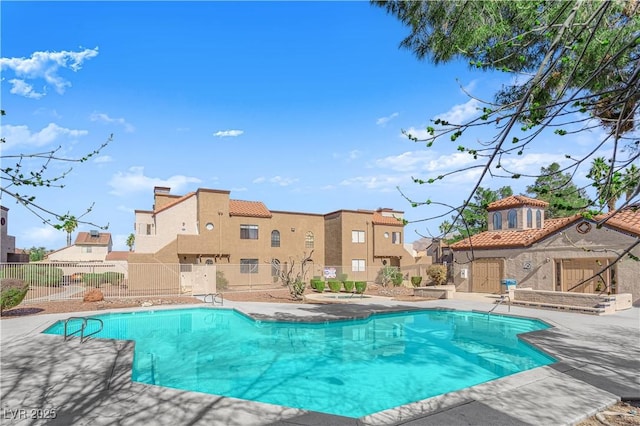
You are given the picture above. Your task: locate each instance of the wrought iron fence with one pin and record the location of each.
(70, 281)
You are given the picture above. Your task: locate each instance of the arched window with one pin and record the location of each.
(308, 240)
(275, 238)
(497, 220)
(529, 219)
(538, 219)
(512, 218)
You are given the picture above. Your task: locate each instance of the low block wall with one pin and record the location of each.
(616, 301)
(435, 292)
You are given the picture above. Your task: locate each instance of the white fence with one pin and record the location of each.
(70, 281)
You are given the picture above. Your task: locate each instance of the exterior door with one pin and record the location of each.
(486, 275)
(577, 270)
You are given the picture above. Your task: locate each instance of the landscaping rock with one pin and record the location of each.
(93, 295)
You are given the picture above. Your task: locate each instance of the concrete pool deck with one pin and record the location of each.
(90, 383)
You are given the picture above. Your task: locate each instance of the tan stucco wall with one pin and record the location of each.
(74, 254)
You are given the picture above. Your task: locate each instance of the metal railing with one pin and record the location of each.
(83, 327)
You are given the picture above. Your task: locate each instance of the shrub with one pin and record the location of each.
(348, 286)
(320, 286)
(314, 283)
(335, 286)
(94, 280)
(437, 274)
(115, 278)
(397, 279)
(361, 286)
(386, 275)
(222, 283)
(12, 292)
(415, 281)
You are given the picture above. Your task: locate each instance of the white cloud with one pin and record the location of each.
(382, 121)
(469, 87)
(424, 161)
(276, 180)
(228, 133)
(531, 163)
(21, 135)
(45, 236)
(384, 183)
(103, 159)
(45, 66)
(417, 133)
(22, 88)
(461, 113)
(134, 180)
(104, 118)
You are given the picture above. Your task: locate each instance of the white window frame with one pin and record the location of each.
(248, 232)
(396, 237)
(358, 265)
(357, 237)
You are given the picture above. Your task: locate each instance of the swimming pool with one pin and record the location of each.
(351, 368)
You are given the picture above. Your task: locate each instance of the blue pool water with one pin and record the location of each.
(349, 368)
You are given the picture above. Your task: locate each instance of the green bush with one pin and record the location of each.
(361, 286)
(397, 279)
(314, 282)
(12, 292)
(34, 275)
(415, 281)
(115, 278)
(437, 274)
(386, 275)
(348, 286)
(93, 280)
(335, 286)
(320, 286)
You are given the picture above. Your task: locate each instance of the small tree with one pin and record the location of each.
(69, 224)
(131, 240)
(37, 253)
(295, 282)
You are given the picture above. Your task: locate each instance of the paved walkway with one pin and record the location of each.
(90, 383)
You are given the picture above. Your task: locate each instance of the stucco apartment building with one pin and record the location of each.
(551, 254)
(208, 227)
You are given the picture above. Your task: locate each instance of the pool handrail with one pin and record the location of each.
(85, 320)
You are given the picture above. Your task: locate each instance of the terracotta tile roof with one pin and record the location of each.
(85, 238)
(626, 220)
(248, 208)
(504, 239)
(516, 201)
(117, 255)
(379, 219)
(176, 201)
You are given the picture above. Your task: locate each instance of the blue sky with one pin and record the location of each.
(296, 104)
